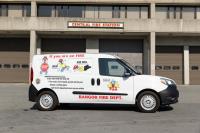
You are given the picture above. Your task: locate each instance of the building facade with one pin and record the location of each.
(158, 37)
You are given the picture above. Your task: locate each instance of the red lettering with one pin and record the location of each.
(87, 97)
(71, 55)
(103, 97)
(79, 55)
(116, 97)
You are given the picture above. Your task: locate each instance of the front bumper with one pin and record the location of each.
(169, 95)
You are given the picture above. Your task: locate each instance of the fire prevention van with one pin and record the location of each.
(98, 79)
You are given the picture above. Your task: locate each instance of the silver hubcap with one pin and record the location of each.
(148, 102)
(46, 101)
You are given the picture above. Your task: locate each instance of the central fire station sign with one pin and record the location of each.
(112, 25)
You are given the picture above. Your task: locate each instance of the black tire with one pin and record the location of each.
(54, 102)
(153, 96)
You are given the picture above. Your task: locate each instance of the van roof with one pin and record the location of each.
(82, 55)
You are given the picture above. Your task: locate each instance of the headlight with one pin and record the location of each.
(166, 81)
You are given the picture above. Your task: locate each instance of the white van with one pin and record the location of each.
(96, 78)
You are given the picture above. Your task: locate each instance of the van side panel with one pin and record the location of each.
(64, 74)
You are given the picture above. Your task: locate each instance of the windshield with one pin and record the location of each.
(129, 66)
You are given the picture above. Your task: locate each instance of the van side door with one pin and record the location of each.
(114, 83)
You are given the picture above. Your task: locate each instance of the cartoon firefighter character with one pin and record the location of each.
(62, 66)
(44, 66)
(113, 85)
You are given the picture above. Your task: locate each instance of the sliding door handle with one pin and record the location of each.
(98, 81)
(92, 82)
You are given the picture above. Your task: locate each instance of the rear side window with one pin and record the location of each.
(111, 67)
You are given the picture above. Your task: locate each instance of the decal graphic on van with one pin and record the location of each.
(113, 85)
(44, 66)
(61, 66)
(81, 68)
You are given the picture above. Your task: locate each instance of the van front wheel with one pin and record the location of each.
(148, 102)
(47, 101)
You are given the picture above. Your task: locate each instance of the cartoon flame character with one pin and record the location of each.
(113, 85)
(44, 66)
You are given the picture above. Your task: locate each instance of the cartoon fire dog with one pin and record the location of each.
(44, 66)
(113, 85)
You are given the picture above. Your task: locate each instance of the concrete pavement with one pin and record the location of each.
(18, 115)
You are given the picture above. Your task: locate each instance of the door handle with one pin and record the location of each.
(92, 82)
(98, 81)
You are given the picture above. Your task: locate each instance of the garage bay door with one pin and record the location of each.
(195, 65)
(129, 49)
(58, 45)
(14, 59)
(169, 62)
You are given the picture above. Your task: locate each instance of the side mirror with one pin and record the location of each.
(127, 74)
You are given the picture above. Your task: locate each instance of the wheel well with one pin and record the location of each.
(148, 90)
(47, 89)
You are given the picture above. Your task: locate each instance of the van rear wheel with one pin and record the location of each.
(47, 101)
(148, 102)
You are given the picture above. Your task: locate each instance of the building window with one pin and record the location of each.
(3, 10)
(60, 11)
(116, 12)
(139, 68)
(175, 67)
(25, 66)
(7, 66)
(158, 68)
(93, 11)
(16, 65)
(176, 12)
(144, 12)
(75, 11)
(195, 68)
(188, 13)
(45, 10)
(15, 10)
(137, 12)
(167, 68)
(105, 11)
(161, 12)
(26, 12)
(133, 12)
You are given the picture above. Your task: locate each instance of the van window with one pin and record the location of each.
(111, 67)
